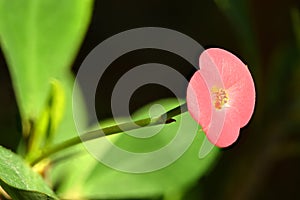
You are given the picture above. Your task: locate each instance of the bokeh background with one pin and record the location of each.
(265, 162)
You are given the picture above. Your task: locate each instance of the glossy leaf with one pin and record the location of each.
(18, 179)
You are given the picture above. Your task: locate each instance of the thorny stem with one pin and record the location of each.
(119, 128)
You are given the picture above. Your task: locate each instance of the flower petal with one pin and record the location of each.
(237, 80)
(224, 128)
(199, 100)
(242, 95)
(221, 69)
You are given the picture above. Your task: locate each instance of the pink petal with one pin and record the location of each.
(210, 70)
(199, 100)
(224, 128)
(237, 80)
(199, 97)
(221, 126)
(242, 97)
(221, 69)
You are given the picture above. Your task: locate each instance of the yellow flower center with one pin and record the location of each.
(220, 96)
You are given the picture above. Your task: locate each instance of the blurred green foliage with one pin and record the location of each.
(38, 54)
(39, 40)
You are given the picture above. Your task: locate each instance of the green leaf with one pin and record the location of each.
(92, 179)
(65, 171)
(18, 179)
(56, 107)
(39, 40)
(49, 120)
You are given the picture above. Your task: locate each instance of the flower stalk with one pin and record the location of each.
(165, 118)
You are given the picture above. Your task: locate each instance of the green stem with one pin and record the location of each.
(127, 126)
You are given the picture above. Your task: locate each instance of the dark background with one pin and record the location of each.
(265, 162)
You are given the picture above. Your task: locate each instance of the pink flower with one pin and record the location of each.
(221, 96)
